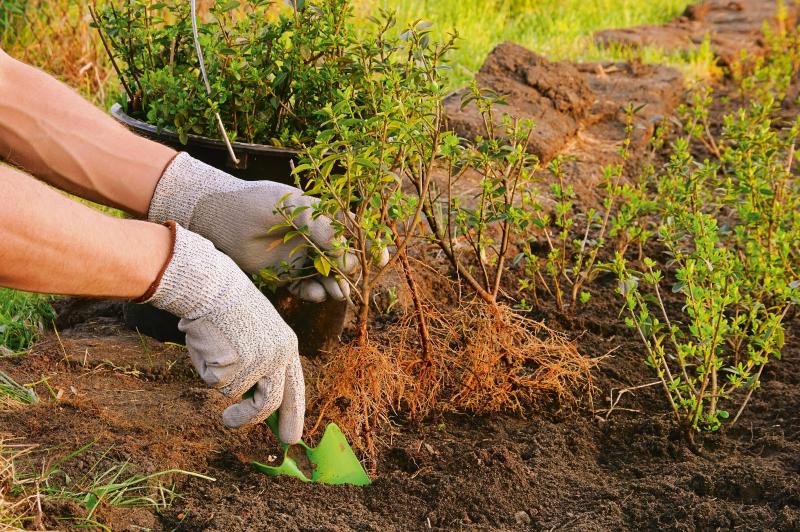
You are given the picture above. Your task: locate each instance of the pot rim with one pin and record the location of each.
(195, 140)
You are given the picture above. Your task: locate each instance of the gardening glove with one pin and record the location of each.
(235, 337)
(237, 215)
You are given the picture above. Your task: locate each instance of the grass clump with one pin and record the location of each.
(55, 35)
(23, 318)
(27, 495)
(14, 393)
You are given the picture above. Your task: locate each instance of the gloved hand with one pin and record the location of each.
(236, 216)
(235, 337)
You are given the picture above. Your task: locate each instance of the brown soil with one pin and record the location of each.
(593, 470)
(577, 109)
(732, 26)
(554, 95)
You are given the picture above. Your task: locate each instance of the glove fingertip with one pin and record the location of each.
(344, 286)
(233, 417)
(312, 291)
(291, 435)
(348, 263)
(293, 408)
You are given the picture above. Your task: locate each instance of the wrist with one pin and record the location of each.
(196, 279)
(148, 294)
(183, 183)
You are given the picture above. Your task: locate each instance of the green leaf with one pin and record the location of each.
(322, 265)
(228, 6)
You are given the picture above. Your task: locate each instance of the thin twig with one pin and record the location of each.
(199, 51)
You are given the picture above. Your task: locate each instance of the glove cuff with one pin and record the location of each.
(172, 226)
(195, 279)
(183, 183)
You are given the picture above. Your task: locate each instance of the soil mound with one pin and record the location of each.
(732, 26)
(578, 109)
(554, 95)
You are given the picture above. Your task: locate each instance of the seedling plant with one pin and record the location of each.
(574, 240)
(730, 229)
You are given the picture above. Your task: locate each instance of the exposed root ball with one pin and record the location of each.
(359, 387)
(510, 362)
(481, 360)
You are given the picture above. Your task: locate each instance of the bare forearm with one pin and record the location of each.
(55, 245)
(53, 133)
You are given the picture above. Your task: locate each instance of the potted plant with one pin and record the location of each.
(270, 69)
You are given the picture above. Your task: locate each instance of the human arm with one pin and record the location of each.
(54, 245)
(53, 133)
(50, 131)
(235, 337)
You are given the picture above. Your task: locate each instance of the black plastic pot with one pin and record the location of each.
(317, 325)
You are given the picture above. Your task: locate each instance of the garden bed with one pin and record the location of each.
(585, 470)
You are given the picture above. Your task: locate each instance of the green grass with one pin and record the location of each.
(12, 392)
(104, 484)
(558, 29)
(23, 317)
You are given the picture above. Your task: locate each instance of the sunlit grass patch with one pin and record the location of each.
(27, 491)
(23, 318)
(557, 29)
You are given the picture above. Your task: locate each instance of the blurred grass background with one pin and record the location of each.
(55, 35)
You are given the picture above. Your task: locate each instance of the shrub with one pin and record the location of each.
(270, 69)
(730, 229)
(574, 240)
(478, 235)
(377, 135)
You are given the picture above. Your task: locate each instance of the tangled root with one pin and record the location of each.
(359, 387)
(510, 362)
(480, 360)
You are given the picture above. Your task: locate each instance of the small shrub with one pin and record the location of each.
(378, 136)
(730, 229)
(574, 240)
(270, 69)
(479, 235)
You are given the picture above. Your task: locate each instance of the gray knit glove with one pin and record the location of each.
(236, 216)
(235, 337)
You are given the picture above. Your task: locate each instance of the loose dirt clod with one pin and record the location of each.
(578, 109)
(554, 95)
(732, 27)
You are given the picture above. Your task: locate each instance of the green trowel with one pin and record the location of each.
(331, 462)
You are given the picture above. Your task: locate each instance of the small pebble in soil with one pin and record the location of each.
(522, 518)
